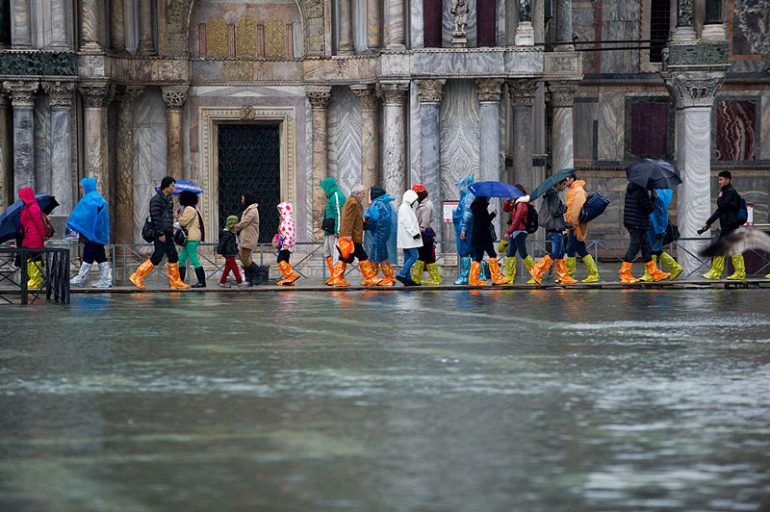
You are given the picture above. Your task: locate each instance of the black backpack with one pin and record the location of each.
(532, 220)
(148, 232)
(743, 212)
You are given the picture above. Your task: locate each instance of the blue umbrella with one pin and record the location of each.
(494, 189)
(184, 186)
(11, 217)
(649, 174)
(550, 181)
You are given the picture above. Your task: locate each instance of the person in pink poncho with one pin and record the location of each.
(285, 241)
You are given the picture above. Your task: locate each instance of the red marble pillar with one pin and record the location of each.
(431, 20)
(485, 22)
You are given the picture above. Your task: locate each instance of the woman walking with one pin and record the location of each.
(427, 253)
(248, 229)
(33, 227)
(409, 238)
(483, 242)
(191, 221)
(91, 219)
(516, 235)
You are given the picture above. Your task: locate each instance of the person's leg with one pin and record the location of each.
(558, 249)
(105, 272)
(289, 276)
(367, 268)
(191, 248)
(494, 267)
(474, 276)
(229, 260)
(245, 255)
(183, 261)
(671, 264)
(570, 251)
(404, 275)
(539, 268)
(634, 244)
(88, 259)
(419, 265)
(173, 265)
(137, 278)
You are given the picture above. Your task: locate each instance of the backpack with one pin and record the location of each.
(743, 212)
(50, 231)
(148, 232)
(533, 223)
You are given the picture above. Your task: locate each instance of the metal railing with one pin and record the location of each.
(14, 275)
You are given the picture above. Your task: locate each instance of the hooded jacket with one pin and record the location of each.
(91, 217)
(519, 215)
(482, 219)
(659, 219)
(425, 214)
(286, 229)
(352, 220)
(551, 214)
(637, 207)
(162, 214)
(381, 230)
(248, 227)
(462, 218)
(334, 201)
(728, 203)
(576, 198)
(228, 243)
(408, 226)
(31, 221)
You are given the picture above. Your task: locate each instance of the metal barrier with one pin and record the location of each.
(55, 272)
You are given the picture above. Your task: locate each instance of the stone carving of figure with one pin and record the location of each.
(459, 9)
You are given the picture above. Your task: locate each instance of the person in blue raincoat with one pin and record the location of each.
(657, 232)
(91, 219)
(462, 218)
(381, 221)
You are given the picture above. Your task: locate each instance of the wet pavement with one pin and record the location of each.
(438, 401)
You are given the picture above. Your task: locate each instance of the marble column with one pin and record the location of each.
(562, 134)
(394, 141)
(89, 27)
(175, 96)
(319, 102)
(95, 96)
(684, 32)
(23, 100)
(123, 228)
(117, 26)
(370, 137)
(395, 24)
(59, 38)
(146, 46)
(60, 99)
(374, 26)
(693, 94)
(21, 24)
(564, 25)
(522, 95)
(714, 27)
(431, 92)
(345, 28)
(6, 173)
(525, 30)
(488, 92)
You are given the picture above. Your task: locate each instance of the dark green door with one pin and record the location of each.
(249, 161)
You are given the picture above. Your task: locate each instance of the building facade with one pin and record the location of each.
(275, 95)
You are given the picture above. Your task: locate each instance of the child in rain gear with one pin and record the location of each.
(91, 219)
(285, 242)
(381, 226)
(228, 247)
(409, 237)
(657, 233)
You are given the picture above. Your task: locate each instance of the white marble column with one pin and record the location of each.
(95, 100)
(394, 140)
(21, 24)
(123, 229)
(146, 46)
(370, 136)
(693, 93)
(60, 100)
(59, 39)
(345, 28)
(488, 92)
(564, 25)
(522, 95)
(117, 26)
(89, 27)
(374, 28)
(562, 139)
(23, 100)
(319, 102)
(431, 92)
(395, 24)
(175, 96)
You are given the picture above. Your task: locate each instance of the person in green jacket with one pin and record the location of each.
(335, 199)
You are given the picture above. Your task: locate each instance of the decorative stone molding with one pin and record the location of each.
(60, 94)
(693, 88)
(3, 98)
(32, 63)
(712, 54)
(174, 96)
(96, 94)
(318, 96)
(522, 92)
(367, 97)
(248, 113)
(562, 94)
(394, 93)
(489, 89)
(22, 92)
(431, 91)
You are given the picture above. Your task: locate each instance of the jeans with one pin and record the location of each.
(190, 250)
(410, 257)
(575, 246)
(557, 244)
(517, 244)
(638, 241)
(166, 248)
(479, 252)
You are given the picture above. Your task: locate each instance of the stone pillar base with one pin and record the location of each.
(714, 33)
(683, 35)
(525, 34)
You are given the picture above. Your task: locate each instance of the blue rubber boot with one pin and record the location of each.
(465, 269)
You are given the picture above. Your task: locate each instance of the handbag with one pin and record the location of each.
(593, 207)
(328, 225)
(180, 236)
(346, 248)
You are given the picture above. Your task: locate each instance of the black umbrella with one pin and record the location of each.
(652, 174)
(11, 217)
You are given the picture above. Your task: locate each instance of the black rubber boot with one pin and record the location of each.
(247, 278)
(182, 273)
(201, 275)
(256, 276)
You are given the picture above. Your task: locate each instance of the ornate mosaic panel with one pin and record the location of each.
(275, 38)
(216, 38)
(246, 37)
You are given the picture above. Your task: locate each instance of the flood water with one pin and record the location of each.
(566, 400)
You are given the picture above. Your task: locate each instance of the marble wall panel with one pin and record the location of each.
(585, 121)
(42, 145)
(448, 25)
(620, 61)
(735, 134)
(416, 24)
(611, 126)
(149, 152)
(459, 121)
(344, 127)
(751, 27)
(306, 164)
(764, 125)
(648, 130)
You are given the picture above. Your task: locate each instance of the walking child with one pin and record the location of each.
(228, 247)
(285, 242)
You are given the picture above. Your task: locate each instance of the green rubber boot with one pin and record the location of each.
(510, 268)
(717, 266)
(571, 264)
(417, 269)
(435, 275)
(593, 270)
(647, 277)
(530, 262)
(673, 266)
(740, 268)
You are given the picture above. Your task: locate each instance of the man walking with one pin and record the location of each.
(162, 218)
(552, 219)
(331, 222)
(576, 238)
(728, 205)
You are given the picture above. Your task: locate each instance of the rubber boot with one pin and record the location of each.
(289, 276)
(330, 266)
(369, 273)
(647, 277)
(247, 278)
(473, 275)
(35, 274)
(717, 266)
(173, 277)
(593, 270)
(417, 270)
(387, 271)
(673, 266)
(465, 268)
(435, 275)
(656, 273)
(571, 262)
(497, 275)
(539, 268)
(740, 268)
(562, 273)
(484, 272)
(510, 268)
(80, 279)
(625, 273)
(257, 276)
(182, 273)
(200, 274)
(105, 276)
(529, 262)
(338, 277)
(137, 278)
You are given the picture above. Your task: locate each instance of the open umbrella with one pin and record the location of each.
(494, 189)
(11, 217)
(184, 186)
(550, 181)
(649, 174)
